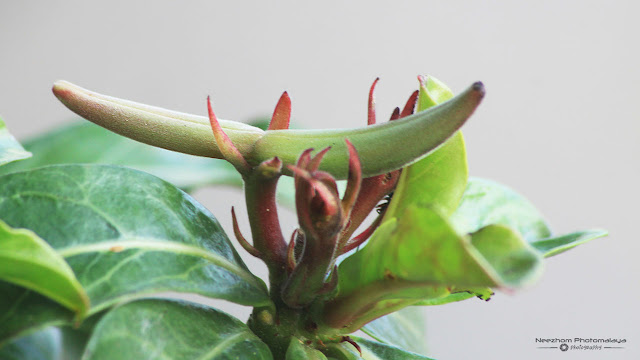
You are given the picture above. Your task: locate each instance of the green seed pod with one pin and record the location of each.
(382, 148)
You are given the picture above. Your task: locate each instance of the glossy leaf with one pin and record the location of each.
(299, 351)
(420, 256)
(10, 149)
(438, 180)
(127, 234)
(559, 244)
(404, 328)
(371, 350)
(86, 143)
(160, 329)
(28, 261)
(41, 345)
(486, 202)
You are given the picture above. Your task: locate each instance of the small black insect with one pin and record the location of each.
(385, 203)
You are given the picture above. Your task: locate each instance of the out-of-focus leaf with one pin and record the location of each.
(40, 345)
(420, 256)
(404, 329)
(559, 244)
(371, 350)
(486, 202)
(299, 351)
(160, 329)
(28, 261)
(10, 148)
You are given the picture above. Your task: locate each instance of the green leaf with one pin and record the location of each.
(127, 234)
(453, 297)
(10, 149)
(486, 202)
(556, 245)
(513, 260)
(23, 311)
(438, 180)
(404, 329)
(420, 256)
(160, 329)
(80, 143)
(299, 351)
(74, 342)
(29, 261)
(41, 345)
(371, 350)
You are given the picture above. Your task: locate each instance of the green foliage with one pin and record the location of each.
(404, 328)
(555, 245)
(23, 311)
(92, 248)
(86, 143)
(41, 345)
(162, 329)
(29, 261)
(10, 149)
(486, 202)
(299, 351)
(371, 350)
(127, 242)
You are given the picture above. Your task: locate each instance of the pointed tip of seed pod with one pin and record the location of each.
(60, 88)
(65, 90)
(479, 87)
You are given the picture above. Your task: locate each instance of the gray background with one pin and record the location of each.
(559, 123)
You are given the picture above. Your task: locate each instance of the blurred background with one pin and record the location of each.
(560, 122)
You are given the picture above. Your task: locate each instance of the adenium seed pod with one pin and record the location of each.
(382, 148)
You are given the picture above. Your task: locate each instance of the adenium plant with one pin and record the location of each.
(99, 250)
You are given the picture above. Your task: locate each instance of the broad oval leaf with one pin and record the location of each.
(161, 329)
(371, 350)
(28, 261)
(486, 202)
(556, 245)
(127, 234)
(87, 143)
(10, 148)
(438, 180)
(404, 328)
(40, 345)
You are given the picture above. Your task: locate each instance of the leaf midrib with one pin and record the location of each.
(163, 246)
